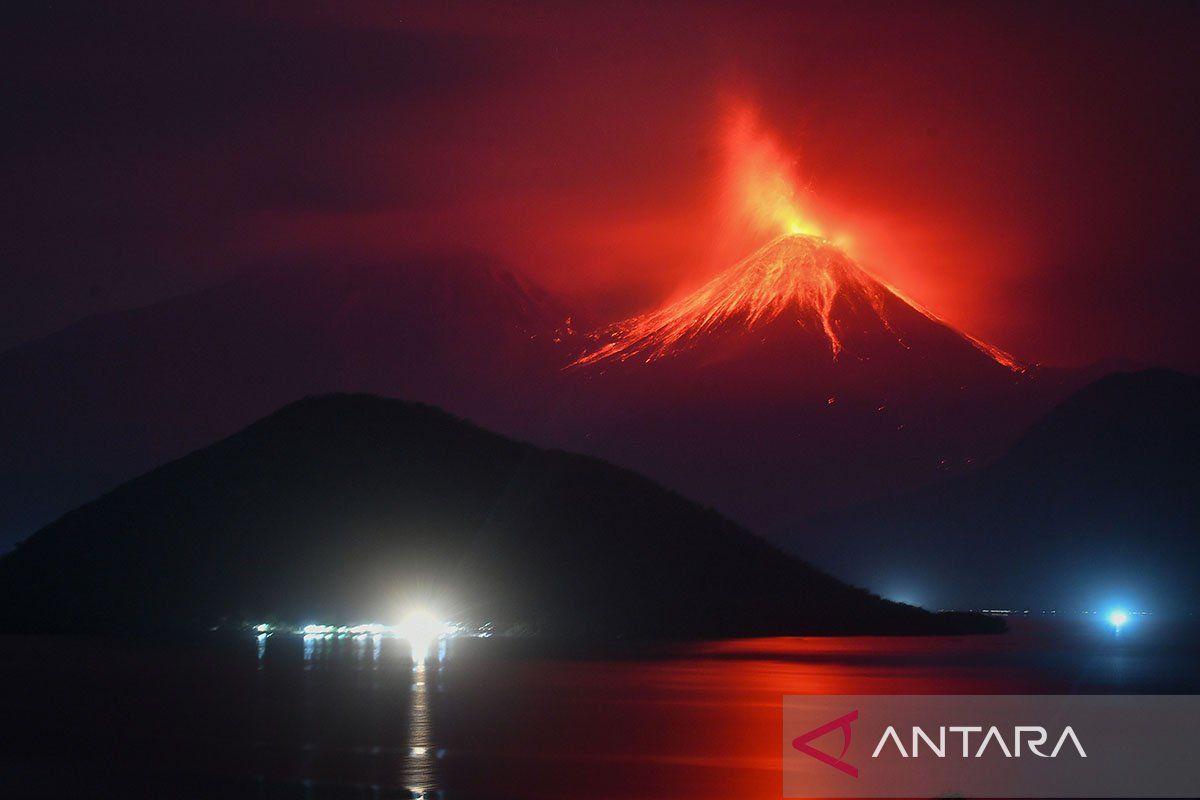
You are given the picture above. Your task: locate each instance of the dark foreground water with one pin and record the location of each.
(353, 717)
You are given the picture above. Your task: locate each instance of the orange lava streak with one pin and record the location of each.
(995, 353)
(797, 273)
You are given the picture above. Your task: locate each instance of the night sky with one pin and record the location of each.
(1029, 173)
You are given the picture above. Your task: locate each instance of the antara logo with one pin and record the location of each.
(1033, 737)
(1021, 746)
(801, 743)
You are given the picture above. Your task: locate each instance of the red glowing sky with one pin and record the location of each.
(1029, 174)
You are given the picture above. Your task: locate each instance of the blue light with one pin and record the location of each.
(1118, 617)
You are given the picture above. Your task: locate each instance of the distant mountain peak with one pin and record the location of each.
(807, 278)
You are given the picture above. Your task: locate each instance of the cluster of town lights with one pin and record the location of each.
(420, 628)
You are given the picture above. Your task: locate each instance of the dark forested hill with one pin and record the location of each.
(344, 507)
(1099, 494)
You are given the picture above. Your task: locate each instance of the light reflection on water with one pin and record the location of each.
(354, 716)
(411, 745)
(419, 776)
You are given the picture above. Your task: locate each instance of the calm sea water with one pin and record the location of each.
(354, 717)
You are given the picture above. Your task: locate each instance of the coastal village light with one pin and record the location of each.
(420, 628)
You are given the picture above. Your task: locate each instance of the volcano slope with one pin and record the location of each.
(797, 279)
(796, 381)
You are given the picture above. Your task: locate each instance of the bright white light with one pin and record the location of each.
(420, 628)
(1118, 618)
(317, 629)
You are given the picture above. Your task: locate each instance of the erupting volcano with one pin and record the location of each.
(795, 379)
(796, 278)
(798, 281)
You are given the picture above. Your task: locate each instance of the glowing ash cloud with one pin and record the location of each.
(761, 179)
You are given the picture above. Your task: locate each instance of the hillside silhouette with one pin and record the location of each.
(1099, 493)
(346, 507)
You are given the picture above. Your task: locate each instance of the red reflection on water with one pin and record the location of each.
(702, 722)
(698, 720)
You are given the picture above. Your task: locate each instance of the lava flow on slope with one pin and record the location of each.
(796, 276)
